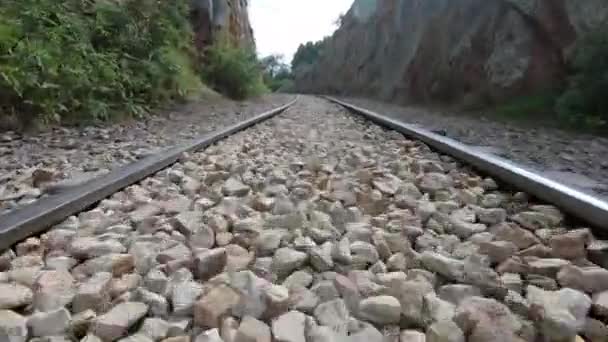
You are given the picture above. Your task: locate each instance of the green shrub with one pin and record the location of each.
(585, 102)
(233, 71)
(526, 107)
(93, 60)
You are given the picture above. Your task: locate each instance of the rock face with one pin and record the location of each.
(470, 51)
(215, 17)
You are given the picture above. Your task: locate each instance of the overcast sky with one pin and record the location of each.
(280, 26)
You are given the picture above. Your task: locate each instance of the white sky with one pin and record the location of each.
(280, 26)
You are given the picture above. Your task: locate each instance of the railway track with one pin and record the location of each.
(315, 225)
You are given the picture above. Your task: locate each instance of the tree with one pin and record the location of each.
(273, 64)
(340, 20)
(277, 73)
(308, 54)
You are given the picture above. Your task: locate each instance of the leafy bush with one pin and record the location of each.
(83, 60)
(233, 71)
(585, 102)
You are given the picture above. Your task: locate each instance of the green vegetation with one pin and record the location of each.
(74, 61)
(585, 101)
(233, 71)
(308, 54)
(77, 61)
(583, 104)
(521, 108)
(277, 74)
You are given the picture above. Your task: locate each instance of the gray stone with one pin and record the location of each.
(136, 338)
(433, 182)
(483, 319)
(123, 284)
(115, 323)
(183, 296)
(156, 281)
(269, 241)
(303, 299)
(53, 290)
(157, 303)
(154, 328)
(90, 247)
(238, 258)
(522, 238)
(465, 230)
(412, 336)
(94, 294)
(81, 322)
(252, 330)
(586, 279)
(517, 303)
(491, 216)
(449, 268)
(188, 222)
(297, 279)
(287, 260)
(203, 238)
(61, 263)
(178, 326)
(381, 310)
(117, 264)
(320, 257)
(277, 300)
(411, 296)
(436, 309)
(563, 311)
(341, 252)
(348, 291)
(91, 338)
(512, 281)
(211, 307)
(12, 327)
(333, 314)
(456, 293)
(533, 220)
(234, 187)
(211, 335)
(14, 296)
(49, 323)
(364, 253)
(571, 245)
(444, 331)
(177, 252)
(367, 334)
(210, 263)
(290, 327)
(498, 251)
(545, 267)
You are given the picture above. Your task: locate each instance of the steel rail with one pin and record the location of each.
(42, 214)
(576, 203)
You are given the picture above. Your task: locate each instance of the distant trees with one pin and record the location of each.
(277, 73)
(340, 20)
(309, 53)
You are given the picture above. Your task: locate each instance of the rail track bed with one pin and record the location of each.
(314, 225)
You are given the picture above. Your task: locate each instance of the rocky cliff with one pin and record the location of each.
(212, 18)
(458, 51)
